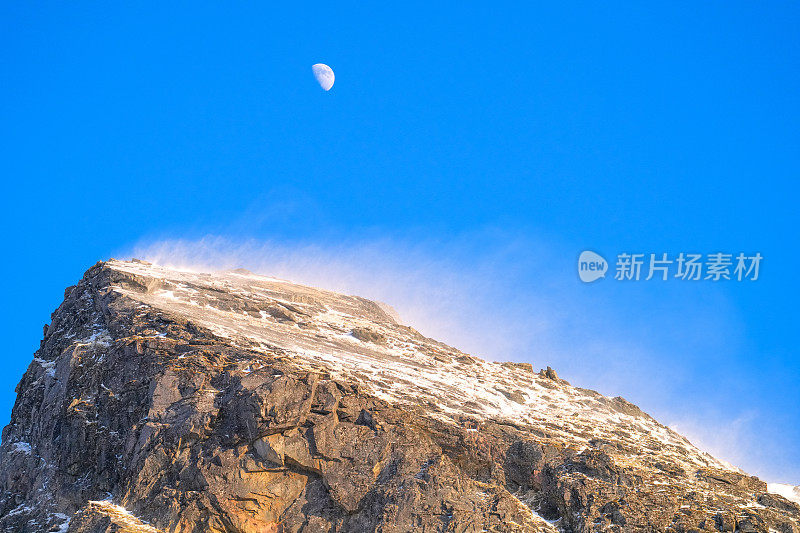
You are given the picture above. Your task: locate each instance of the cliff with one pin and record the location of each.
(173, 401)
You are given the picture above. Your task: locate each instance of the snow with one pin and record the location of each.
(19, 509)
(527, 499)
(251, 275)
(65, 520)
(48, 366)
(123, 516)
(21, 447)
(170, 295)
(540, 518)
(790, 492)
(407, 368)
(99, 338)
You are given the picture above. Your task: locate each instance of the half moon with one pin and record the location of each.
(324, 75)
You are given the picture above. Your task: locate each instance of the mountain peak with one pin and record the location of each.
(229, 401)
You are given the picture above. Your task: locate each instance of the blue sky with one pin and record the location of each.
(462, 161)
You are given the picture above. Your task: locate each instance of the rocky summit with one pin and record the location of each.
(163, 400)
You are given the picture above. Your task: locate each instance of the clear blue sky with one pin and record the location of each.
(562, 127)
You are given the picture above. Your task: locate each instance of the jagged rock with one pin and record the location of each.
(236, 403)
(551, 374)
(368, 335)
(777, 502)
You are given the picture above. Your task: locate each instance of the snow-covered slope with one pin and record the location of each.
(327, 330)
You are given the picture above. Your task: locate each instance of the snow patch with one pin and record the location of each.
(19, 509)
(124, 517)
(21, 447)
(99, 338)
(65, 520)
(48, 366)
(790, 492)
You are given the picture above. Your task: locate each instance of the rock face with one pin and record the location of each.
(173, 401)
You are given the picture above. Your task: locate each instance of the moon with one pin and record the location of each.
(324, 75)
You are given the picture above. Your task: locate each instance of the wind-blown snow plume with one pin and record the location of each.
(510, 298)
